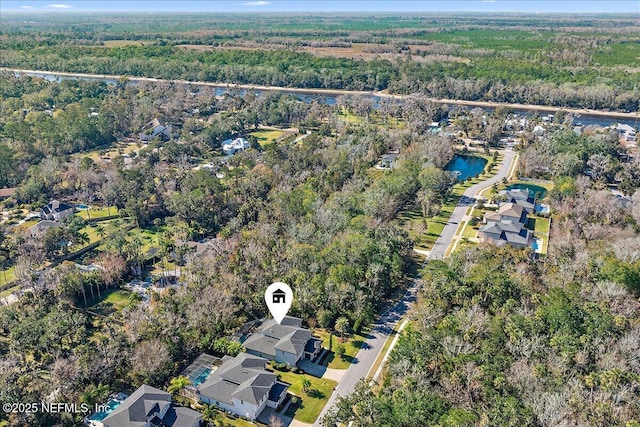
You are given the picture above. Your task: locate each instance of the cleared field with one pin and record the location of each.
(267, 136)
(120, 43)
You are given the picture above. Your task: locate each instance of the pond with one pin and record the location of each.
(537, 191)
(466, 166)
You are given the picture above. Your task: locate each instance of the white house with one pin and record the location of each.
(55, 211)
(243, 386)
(230, 146)
(155, 129)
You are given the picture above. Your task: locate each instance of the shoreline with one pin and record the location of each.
(339, 92)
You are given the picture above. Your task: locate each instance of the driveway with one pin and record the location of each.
(468, 199)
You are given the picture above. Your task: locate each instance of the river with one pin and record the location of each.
(329, 96)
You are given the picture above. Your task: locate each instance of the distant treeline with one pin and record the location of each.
(489, 79)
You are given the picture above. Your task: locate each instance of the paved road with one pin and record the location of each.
(372, 347)
(467, 199)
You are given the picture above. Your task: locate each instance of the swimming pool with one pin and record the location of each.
(111, 405)
(542, 209)
(536, 245)
(82, 207)
(201, 378)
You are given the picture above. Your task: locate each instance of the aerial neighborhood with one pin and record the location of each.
(308, 214)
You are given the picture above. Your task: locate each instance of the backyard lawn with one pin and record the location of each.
(267, 136)
(96, 213)
(311, 402)
(113, 300)
(7, 276)
(541, 225)
(351, 345)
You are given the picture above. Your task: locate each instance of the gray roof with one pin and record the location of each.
(178, 416)
(522, 238)
(261, 343)
(511, 209)
(525, 204)
(518, 193)
(56, 206)
(287, 337)
(243, 377)
(509, 226)
(294, 342)
(133, 412)
(288, 321)
(491, 227)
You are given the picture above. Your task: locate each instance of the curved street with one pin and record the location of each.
(381, 330)
(468, 198)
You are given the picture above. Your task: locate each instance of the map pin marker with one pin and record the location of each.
(278, 297)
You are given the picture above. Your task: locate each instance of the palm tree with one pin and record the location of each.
(306, 384)
(209, 413)
(178, 383)
(100, 231)
(342, 326)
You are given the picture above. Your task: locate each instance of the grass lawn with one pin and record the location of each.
(311, 402)
(351, 347)
(542, 225)
(267, 136)
(222, 420)
(469, 231)
(112, 301)
(97, 213)
(25, 226)
(9, 274)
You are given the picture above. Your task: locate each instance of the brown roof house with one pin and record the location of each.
(7, 192)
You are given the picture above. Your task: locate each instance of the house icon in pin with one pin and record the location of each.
(279, 296)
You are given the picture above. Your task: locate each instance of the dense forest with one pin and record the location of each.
(585, 64)
(311, 212)
(500, 340)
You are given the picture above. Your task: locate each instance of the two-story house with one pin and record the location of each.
(243, 386)
(151, 407)
(286, 342)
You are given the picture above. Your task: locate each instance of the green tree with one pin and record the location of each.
(306, 384)
(178, 383)
(342, 326)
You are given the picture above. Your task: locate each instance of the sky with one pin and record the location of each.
(532, 6)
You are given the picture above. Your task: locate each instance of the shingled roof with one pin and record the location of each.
(133, 412)
(243, 377)
(288, 337)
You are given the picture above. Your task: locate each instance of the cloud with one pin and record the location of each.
(60, 6)
(26, 7)
(257, 3)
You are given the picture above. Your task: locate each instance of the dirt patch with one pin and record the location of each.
(120, 43)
